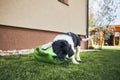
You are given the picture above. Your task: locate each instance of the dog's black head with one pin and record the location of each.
(62, 48)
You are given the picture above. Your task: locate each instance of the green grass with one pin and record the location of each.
(102, 65)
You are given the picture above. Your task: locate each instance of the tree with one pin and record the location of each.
(105, 14)
(91, 21)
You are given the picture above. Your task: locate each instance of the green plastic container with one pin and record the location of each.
(46, 55)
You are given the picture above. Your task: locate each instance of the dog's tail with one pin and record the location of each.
(86, 39)
(45, 46)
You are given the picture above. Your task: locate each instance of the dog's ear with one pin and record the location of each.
(59, 49)
(68, 50)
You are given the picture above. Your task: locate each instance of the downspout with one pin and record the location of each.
(87, 25)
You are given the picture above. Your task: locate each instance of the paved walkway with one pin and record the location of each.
(103, 47)
(89, 50)
(109, 47)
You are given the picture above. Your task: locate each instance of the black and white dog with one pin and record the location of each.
(66, 44)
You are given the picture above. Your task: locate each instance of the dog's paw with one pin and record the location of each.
(79, 60)
(75, 62)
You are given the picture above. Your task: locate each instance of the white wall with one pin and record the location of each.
(45, 14)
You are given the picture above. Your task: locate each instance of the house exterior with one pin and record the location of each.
(30, 23)
(116, 35)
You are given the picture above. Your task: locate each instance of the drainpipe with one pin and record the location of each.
(87, 26)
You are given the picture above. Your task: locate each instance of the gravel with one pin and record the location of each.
(15, 52)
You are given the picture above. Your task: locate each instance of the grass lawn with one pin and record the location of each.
(102, 65)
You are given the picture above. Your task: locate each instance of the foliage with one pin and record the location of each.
(91, 19)
(102, 65)
(105, 13)
(103, 16)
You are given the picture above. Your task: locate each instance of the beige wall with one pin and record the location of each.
(45, 14)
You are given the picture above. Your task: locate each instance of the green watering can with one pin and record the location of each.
(46, 55)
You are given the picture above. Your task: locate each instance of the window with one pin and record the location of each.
(64, 2)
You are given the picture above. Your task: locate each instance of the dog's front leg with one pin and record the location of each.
(74, 60)
(78, 53)
(73, 57)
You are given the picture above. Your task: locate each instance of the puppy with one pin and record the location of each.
(66, 44)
